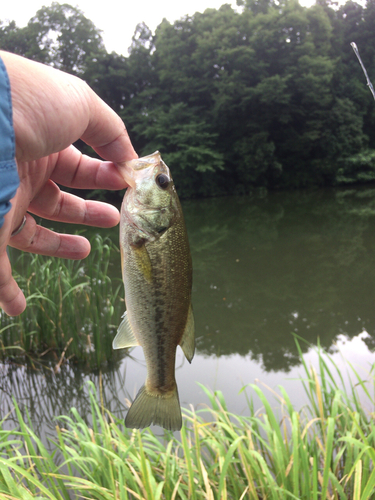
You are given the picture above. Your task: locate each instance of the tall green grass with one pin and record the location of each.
(72, 306)
(323, 451)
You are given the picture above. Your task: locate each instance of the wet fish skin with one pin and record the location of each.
(157, 275)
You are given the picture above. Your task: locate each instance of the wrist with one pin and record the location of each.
(9, 179)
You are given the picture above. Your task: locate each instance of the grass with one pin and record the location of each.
(323, 451)
(70, 307)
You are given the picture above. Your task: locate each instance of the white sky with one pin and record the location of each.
(118, 18)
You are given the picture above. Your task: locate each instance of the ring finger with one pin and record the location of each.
(37, 239)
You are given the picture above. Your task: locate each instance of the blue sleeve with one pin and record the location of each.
(9, 180)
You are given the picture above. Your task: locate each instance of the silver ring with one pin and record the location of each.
(19, 229)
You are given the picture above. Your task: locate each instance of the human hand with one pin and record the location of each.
(51, 110)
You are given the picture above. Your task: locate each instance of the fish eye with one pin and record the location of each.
(162, 181)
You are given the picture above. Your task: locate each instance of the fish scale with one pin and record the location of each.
(157, 275)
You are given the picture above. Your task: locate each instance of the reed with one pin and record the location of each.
(323, 451)
(70, 306)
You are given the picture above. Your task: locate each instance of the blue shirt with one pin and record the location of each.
(9, 180)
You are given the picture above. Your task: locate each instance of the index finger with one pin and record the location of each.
(107, 135)
(73, 169)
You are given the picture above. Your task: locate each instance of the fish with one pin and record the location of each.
(157, 274)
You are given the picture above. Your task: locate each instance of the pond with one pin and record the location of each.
(266, 267)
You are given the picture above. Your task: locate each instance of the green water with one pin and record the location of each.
(265, 266)
(299, 262)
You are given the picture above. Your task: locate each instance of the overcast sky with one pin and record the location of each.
(117, 18)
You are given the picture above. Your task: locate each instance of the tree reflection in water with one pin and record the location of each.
(288, 262)
(44, 394)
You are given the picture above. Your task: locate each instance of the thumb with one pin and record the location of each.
(12, 300)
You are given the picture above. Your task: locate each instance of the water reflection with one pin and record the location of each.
(289, 262)
(264, 267)
(46, 394)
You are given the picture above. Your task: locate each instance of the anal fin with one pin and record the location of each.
(125, 337)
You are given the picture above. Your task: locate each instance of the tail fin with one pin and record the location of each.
(148, 409)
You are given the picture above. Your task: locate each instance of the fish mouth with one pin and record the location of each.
(145, 162)
(139, 168)
(135, 170)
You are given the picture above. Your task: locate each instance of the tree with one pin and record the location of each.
(59, 35)
(187, 145)
(22, 41)
(70, 38)
(271, 95)
(108, 75)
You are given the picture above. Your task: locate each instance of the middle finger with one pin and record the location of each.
(54, 204)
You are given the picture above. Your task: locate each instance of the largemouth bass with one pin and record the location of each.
(157, 274)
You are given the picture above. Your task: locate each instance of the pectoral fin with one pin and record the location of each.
(125, 336)
(143, 262)
(188, 339)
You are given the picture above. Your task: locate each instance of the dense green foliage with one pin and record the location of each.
(270, 94)
(326, 450)
(72, 308)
